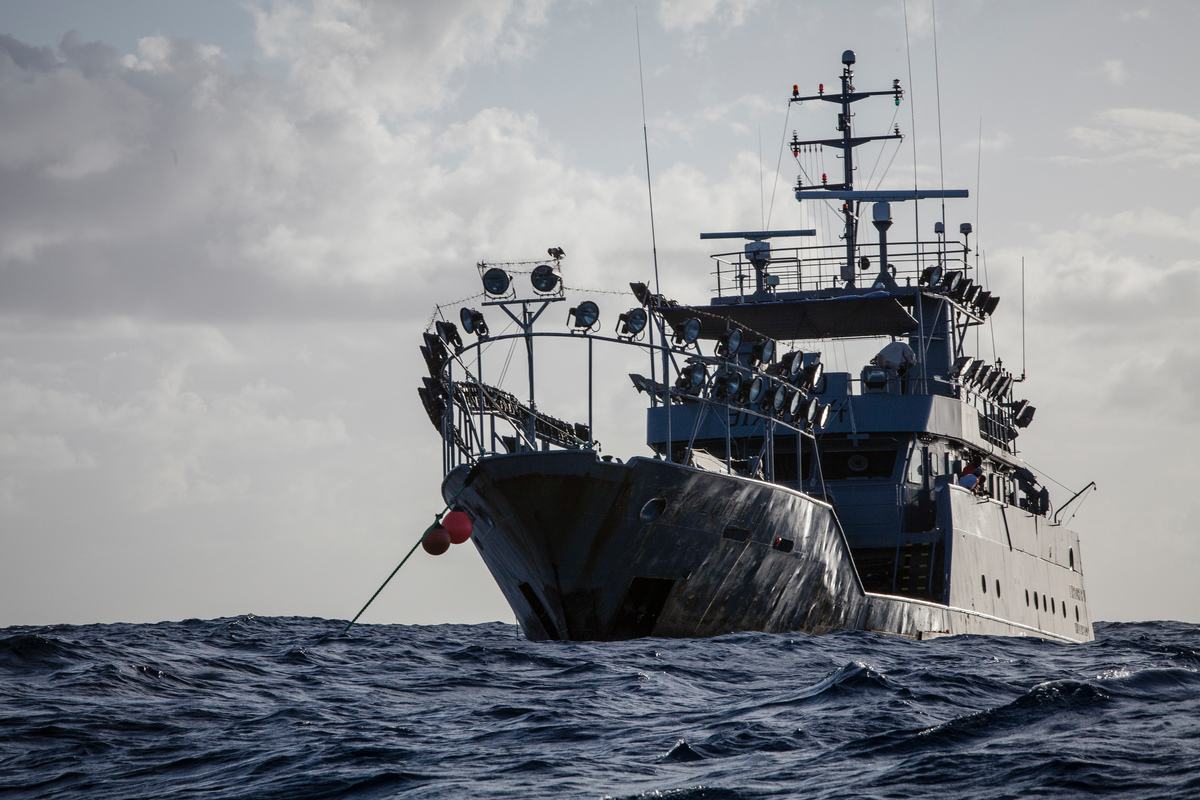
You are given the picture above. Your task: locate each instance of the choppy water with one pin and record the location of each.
(288, 708)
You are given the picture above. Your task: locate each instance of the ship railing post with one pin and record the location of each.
(591, 430)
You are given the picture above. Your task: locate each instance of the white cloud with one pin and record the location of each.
(686, 15)
(1169, 138)
(1114, 70)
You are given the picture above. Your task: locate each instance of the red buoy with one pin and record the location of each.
(458, 525)
(437, 541)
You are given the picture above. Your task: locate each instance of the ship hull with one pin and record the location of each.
(592, 550)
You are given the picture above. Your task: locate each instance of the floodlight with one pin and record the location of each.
(951, 279)
(473, 322)
(586, 315)
(811, 407)
(971, 293)
(961, 365)
(970, 371)
(779, 398)
(981, 299)
(988, 307)
(632, 322)
(813, 374)
(448, 333)
(729, 343)
(1025, 417)
(692, 376)
(688, 333)
(822, 416)
(792, 363)
(727, 383)
(930, 276)
(754, 391)
(763, 352)
(794, 403)
(960, 289)
(982, 374)
(545, 279)
(496, 282)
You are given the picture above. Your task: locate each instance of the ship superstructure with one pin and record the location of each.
(779, 495)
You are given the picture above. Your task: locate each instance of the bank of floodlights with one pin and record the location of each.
(632, 323)
(473, 322)
(585, 315)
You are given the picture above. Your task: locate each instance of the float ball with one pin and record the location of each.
(437, 541)
(458, 525)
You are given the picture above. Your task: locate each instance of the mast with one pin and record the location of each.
(846, 144)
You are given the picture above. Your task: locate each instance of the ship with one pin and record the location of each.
(776, 495)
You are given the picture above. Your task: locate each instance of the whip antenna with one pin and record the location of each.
(646, 144)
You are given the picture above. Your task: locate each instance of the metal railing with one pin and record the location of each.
(820, 266)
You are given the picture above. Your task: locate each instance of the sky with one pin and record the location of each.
(224, 227)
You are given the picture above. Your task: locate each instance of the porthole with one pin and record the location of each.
(1035, 602)
(653, 509)
(1071, 557)
(1044, 606)
(997, 587)
(983, 580)
(1077, 613)
(857, 462)
(1027, 598)
(1052, 605)
(1064, 608)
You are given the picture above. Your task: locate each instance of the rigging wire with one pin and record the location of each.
(912, 110)
(937, 78)
(778, 164)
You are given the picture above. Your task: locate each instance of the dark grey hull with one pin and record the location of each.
(585, 549)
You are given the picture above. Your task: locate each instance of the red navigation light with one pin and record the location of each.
(824, 178)
(821, 88)
(795, 90)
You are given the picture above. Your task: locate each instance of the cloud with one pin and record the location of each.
(1169, 138)
(1114, 71)
(687, 15)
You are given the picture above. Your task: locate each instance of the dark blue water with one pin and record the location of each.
(288, 708)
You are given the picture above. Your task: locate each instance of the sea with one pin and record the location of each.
(286, 707)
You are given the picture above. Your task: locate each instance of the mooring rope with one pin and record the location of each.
(437, 519)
